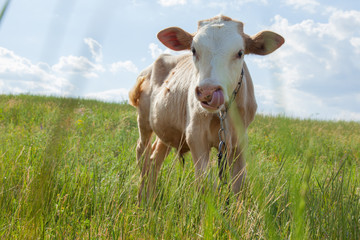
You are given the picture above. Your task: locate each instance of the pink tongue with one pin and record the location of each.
(217, 99)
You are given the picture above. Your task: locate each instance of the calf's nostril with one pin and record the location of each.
(206, 94)
(198, 92)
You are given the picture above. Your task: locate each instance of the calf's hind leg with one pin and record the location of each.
(143, 149)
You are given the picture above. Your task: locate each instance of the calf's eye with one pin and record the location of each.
(240, 53)
(193, 51)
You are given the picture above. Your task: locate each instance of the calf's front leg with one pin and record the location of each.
(237, 169)
(200, 151)
(150, 171)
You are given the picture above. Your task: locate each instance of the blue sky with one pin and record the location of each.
(95, 49)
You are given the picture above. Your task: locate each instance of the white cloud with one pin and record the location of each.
(242, 2)
(344, 24)
(95, 49)
(288, 100)
(156, 51)
(126, 65)
(355, 42)
(168, 3)
(307, 5)
(77, 66)
(223, 6)
(20, 75)
(297, 103)
(316, 70)
(115, 95)
(218, 4)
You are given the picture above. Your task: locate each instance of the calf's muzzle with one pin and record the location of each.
(211, 97)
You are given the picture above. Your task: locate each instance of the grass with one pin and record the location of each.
(68, 171)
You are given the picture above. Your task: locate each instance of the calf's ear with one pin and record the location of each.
(175, 38)
(263, 43)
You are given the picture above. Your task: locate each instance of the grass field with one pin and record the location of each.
(68, 171)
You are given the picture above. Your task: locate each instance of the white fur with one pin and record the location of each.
(217, 45)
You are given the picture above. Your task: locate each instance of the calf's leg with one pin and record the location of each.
(144, 141)
(143, 149)
(159, 152)
(237, 170)
(200, 153)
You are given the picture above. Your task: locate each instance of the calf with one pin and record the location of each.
(182, 98)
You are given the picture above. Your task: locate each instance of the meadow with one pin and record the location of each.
(68, 171)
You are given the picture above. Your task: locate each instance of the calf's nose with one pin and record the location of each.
(211, 97)
(205, 93)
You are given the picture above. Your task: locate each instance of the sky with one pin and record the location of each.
(96, 49)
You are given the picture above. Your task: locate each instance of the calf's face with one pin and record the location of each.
(218, 50)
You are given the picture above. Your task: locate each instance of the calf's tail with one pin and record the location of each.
(135, 92)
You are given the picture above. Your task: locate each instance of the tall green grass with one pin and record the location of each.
(68, 171)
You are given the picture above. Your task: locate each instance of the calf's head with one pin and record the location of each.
(218, 49)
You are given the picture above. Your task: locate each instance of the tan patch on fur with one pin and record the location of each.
(240, 27)
(169, 77)
(135, 92)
